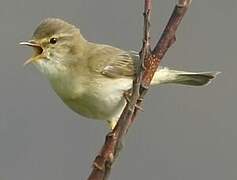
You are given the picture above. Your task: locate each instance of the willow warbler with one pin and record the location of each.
(91, 78)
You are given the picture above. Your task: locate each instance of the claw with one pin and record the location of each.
(139, 108)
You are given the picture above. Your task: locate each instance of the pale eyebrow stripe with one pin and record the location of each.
(64, 36)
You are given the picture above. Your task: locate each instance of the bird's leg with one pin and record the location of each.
(127, 95)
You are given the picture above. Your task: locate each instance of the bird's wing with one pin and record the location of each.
(113, 62)
(121, 65)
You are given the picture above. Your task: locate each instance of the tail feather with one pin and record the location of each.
(198, 79)
(165, 75)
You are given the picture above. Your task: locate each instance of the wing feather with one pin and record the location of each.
(113, 62)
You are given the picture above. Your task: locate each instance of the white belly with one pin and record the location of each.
(102, 101)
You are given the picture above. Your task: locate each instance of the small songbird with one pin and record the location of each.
(91, 78)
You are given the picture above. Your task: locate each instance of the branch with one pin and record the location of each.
(149, 62)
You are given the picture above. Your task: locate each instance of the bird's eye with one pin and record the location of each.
(53, 41)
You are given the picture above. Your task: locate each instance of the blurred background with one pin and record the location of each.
(185, 133)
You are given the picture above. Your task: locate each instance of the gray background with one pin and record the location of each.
(184, 134)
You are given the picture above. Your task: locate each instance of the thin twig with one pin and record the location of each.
(149, 62)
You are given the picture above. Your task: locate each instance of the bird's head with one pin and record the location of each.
(55, 43)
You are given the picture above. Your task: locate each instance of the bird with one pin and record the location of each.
(91, 78)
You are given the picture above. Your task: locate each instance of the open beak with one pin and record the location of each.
(37, 48)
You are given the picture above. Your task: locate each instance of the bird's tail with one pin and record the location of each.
(165, 75)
